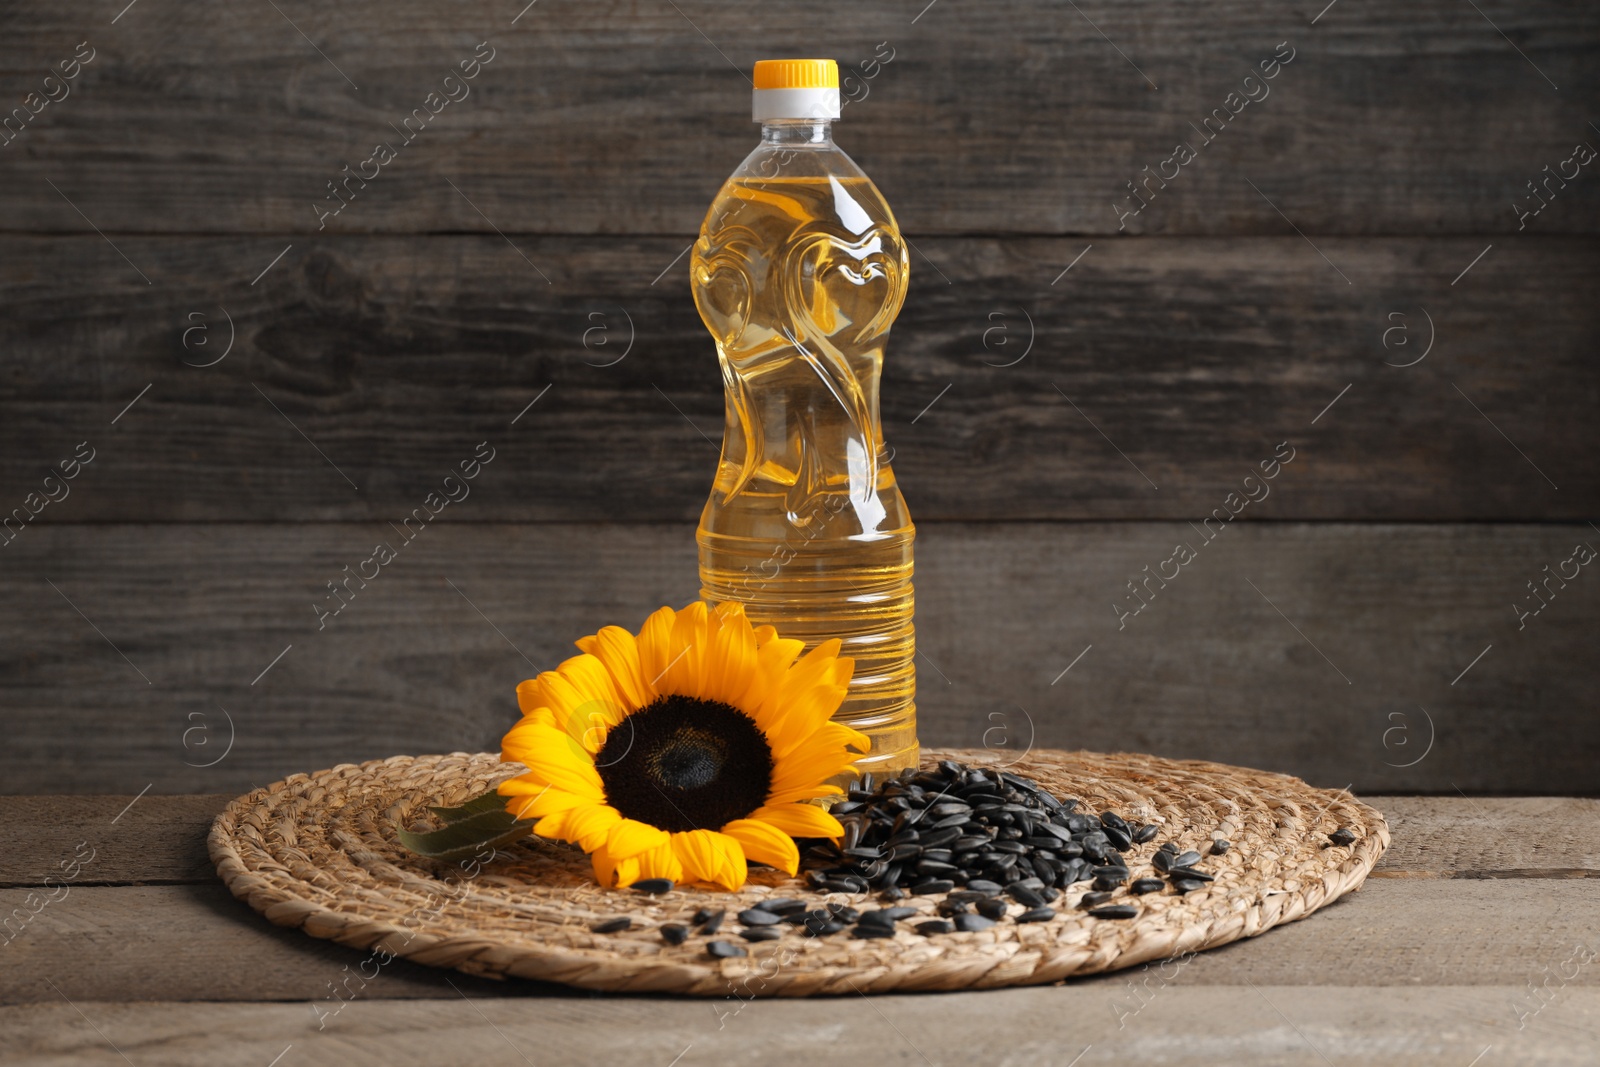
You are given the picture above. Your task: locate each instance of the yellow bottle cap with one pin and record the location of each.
(806, 89)
(797, 74)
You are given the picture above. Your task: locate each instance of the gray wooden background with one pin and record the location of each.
(1352, 266)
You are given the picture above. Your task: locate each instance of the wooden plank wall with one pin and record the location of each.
(1352, 266)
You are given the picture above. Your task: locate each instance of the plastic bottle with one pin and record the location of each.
(798, 273)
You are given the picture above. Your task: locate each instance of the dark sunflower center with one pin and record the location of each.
(686, 764)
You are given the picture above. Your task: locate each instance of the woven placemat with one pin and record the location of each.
(319, 852)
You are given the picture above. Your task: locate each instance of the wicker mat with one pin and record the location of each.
(319, 852)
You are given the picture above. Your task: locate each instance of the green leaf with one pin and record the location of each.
(464, 838)
(490, 801)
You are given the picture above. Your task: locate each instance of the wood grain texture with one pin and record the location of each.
(1336, 652)
(132, 840)
(1267, 1026)
(198, 943)
(1514, 837)
(1147, 383)
(1014, 116)
(1466, 837)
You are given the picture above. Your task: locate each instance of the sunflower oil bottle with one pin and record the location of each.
(798, 272)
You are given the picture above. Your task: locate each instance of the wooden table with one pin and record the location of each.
(1472, 945)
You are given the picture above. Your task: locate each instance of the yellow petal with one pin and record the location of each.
(655, 647)
(584, 700)
(587, 826)
(818, 758)
(710, 857)
(609, 871)
(551, 756)
(802, 792)
(618, 650)
(684, 672)
(815, 666)
(776, 654)
(799, 820)
(802, 715)
(544, 800)
(660, 862)
(630, 837)
(765, 843)
(730, 662)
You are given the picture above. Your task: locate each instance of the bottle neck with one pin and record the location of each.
(793, 132)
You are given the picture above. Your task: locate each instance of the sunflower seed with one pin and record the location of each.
(949, 908)
(757, 917)
(723, 950)
(782, 905)
(1025, 896)
(933, 926)
(1109, 877)
(1145, 834)
(1161, 861)
(612, 926)
(761, 933)
(1342, 836)
(1192, 874)
(991, 908)
(1037, 915)
(932, 886)
(843, 912)
(865, 930)
(940, 838)
(983, 885)
(949, 808)
(712, 921)
(652, 886)
(887, 916)
(1186, 859)
(823, 929)
(1220, 846)
(674, 933)
(1114, 911)
(1095, 899)
(1188, 885)
(972, 923)
(894, 892)
(1146, 885)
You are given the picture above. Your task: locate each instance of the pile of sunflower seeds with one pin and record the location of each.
(971, 837)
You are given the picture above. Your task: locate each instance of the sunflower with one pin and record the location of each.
(686, 751)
